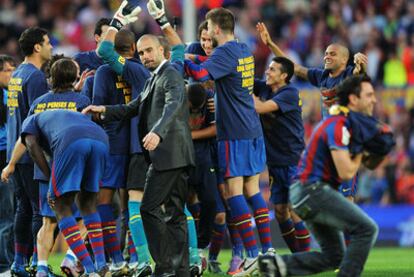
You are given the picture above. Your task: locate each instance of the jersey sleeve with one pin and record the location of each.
(30, 127)
(219, 64)
(287, 101)
(315, 76)
(36, 87)
(338, 136)
(107, 52)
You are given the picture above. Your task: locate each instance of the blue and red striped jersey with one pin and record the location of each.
(316, 163)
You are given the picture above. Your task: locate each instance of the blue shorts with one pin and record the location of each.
(280, 180)
(116, 172)
(45, 209)
(80, 167)
(245, 157)
(349, 188)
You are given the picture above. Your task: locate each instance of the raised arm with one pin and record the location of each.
(300, 71)
(123, 16)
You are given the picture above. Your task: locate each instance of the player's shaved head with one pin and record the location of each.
(150, 37)
(342, 50)
(124, 42)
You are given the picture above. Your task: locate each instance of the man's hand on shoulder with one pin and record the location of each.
(95, 111)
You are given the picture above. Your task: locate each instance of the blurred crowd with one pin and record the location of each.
(382, 29)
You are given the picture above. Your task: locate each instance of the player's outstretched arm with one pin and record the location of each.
(37, 154)
(18, 151)
(156, 9)
(261, 28)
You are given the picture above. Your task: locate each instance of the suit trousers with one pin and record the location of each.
(165, 225)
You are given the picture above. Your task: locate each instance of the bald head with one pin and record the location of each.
(342, 50)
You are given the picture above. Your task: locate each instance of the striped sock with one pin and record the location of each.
(302, 237)
(236, 242)
(70, 231)
(242, 218)
(20, 254)
(137, 231)
(195, 211)
(216, 242)
(261, 217)
(109, 231)
(93, 225)
(133, 257)
(192, 238)
(288, 231)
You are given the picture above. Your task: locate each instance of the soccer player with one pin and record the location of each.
(199, 52)
(240, 139)
(279, 106)
(119, 82)
(79, 149)
(26, 84)
(63, 74)
(334, 153)
(7, 66)
(203, 178)
(335, 71)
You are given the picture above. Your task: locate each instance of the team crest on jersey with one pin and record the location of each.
(345, 136)
(121, 60)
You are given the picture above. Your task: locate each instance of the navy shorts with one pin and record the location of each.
(280, 180)
(116, 172)
(203, 179)
(245, 157)
(349, 188)
(80, 167)
(137, 172)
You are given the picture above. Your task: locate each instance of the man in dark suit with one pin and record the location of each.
(165, 136)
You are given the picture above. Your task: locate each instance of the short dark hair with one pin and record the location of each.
(197, 95)
(201, 27)
(29, 38)
(63, 74)
(351, 85)
(286, 66)
(223, 18)
(98, 26)
(123, 41)
(6, 59)
(48, 65)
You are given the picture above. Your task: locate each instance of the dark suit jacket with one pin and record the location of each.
(162, 109)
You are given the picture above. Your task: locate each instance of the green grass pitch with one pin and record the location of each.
(382, 262)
